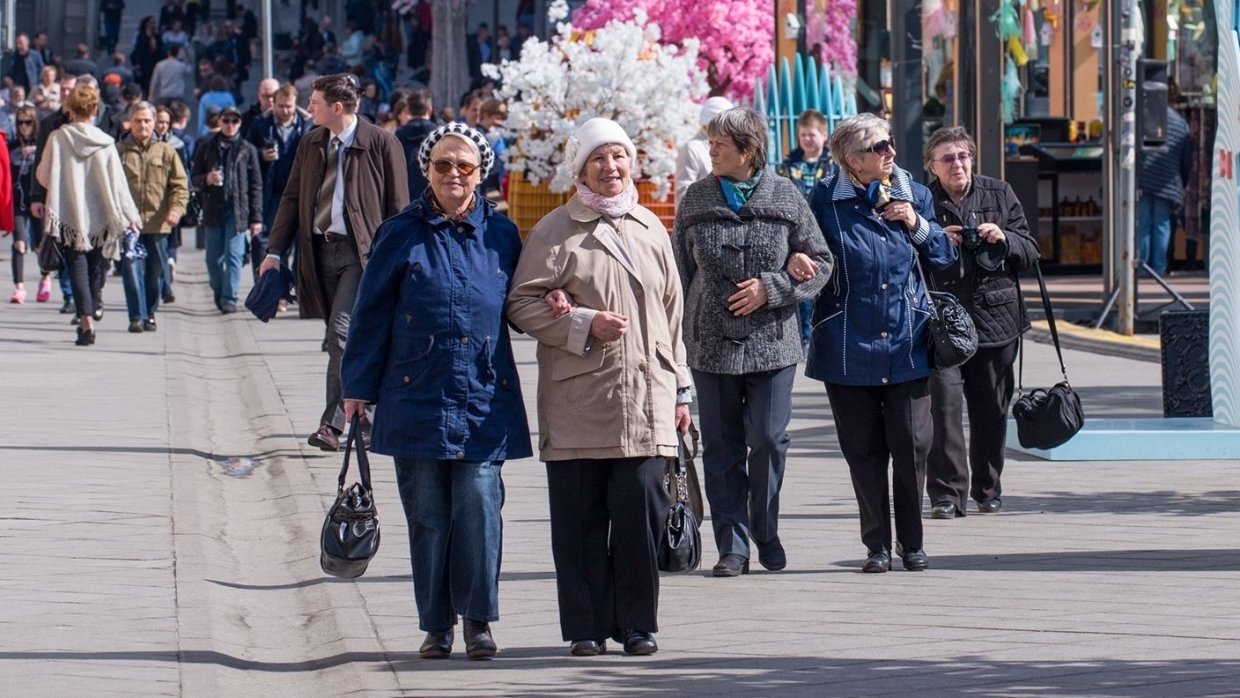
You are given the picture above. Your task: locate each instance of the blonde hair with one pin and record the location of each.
(83, 101)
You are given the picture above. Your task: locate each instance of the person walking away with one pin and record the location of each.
(741, 331)
(160, 189)
(429, 348)
(346, 159)
(87, 206)
(225, 170)
(1160, 182)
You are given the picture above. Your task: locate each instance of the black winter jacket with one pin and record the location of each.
(242, 189)
(991, 297)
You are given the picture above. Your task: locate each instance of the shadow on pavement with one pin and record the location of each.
(1161, 502)
(1178, 560)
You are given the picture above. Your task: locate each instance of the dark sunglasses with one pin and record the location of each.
(230, 121)
(446, 166)
(25, 122)
(882, 147)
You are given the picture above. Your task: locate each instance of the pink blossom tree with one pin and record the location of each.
(736, 37)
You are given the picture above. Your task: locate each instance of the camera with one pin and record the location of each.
(969, 238)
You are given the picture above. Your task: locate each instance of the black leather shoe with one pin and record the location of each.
(149, 325)
(914, 559)
(588, 648)
(878, 561)
(135, 327)
(639, 642)
(325, 439)
(437, 645)
(68, 308)
(731, 565)
(478, 641)
(990, 506)
(944, 510)
(771, 555)
(85, 338)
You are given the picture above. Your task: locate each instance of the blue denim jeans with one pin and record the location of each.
(1154, 232)
(455, 534)
(225, 252)
(142, 278)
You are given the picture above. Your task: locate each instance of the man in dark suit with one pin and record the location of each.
(347, 177)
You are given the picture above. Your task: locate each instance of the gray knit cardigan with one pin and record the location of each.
(716, 249)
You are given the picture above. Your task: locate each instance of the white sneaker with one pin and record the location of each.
(172, 271)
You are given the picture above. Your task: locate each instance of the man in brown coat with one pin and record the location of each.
(347, 178)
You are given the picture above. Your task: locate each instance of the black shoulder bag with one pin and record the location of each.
(680, 541)
(1046, 418)
(350, 535)
(953, 337)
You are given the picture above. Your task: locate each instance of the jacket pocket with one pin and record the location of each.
(569, 365)
(1000, 296)
(412, 365)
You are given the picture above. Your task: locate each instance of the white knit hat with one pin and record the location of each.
(712, 108)
(591, 135)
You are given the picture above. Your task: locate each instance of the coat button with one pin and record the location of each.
(504, 382)
(460, 229)
(884, 287)
(884, 381)
(406, 379)
(464, 340)
(883, 335)
(460, 455)
(408, 318)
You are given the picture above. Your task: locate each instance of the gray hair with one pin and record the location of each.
(747, 129)
(142, 106)
(948, 134)
(855, 134)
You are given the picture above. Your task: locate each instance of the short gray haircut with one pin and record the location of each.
(747, 129)
(856, 134)
(142, 106)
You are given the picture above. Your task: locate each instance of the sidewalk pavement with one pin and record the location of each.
(141, 561)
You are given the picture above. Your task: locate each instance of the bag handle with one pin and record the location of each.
(363, 461)
(1050, 321)
(678, 465)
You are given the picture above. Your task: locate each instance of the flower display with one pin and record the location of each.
(618, 71)
(829, 28)
(735, 38)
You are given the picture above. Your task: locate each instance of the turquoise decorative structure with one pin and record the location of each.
(794, 87)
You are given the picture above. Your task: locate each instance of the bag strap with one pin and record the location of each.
(679, 467)
(1050, 319)
(925, 286)
(363, 461)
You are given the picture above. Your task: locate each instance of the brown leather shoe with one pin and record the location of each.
(325, 439)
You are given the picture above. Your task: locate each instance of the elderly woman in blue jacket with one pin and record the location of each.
(429, 347)
(870, 331)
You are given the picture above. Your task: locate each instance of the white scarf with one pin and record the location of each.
(88, 202)
(613, 207)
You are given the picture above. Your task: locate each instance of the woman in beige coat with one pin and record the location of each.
(613, 389)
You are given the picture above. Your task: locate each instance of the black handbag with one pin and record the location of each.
(1047, 418)
(193, 211)
(953, 337)
(680, 541)
(49, 255)
(350, 536)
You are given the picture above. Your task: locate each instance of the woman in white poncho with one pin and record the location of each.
(88, 205)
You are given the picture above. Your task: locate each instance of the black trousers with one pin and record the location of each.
(604, 517)
(985, 383)
(877, 425)
(744, 421)
(87, 272)
(340, 272)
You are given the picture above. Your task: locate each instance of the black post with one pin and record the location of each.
(907, 96)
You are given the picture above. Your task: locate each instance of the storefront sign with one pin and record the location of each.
(1225, 224)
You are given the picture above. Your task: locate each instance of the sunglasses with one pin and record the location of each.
(887, 145)
(230, 121)
(25, 122)
(951, 158)
(447, 166)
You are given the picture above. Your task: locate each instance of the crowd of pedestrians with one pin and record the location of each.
(389, 215)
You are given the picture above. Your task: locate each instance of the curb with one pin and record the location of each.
(1146, 348)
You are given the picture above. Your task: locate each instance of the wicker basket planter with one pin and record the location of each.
(528, 203)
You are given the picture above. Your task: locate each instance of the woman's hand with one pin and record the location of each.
(953, 233)
(354, 408)
(608, 326)
(683, 420)
(990, 232)
(901, 212)
(750, 297)
(801, 267)
(559, 302)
